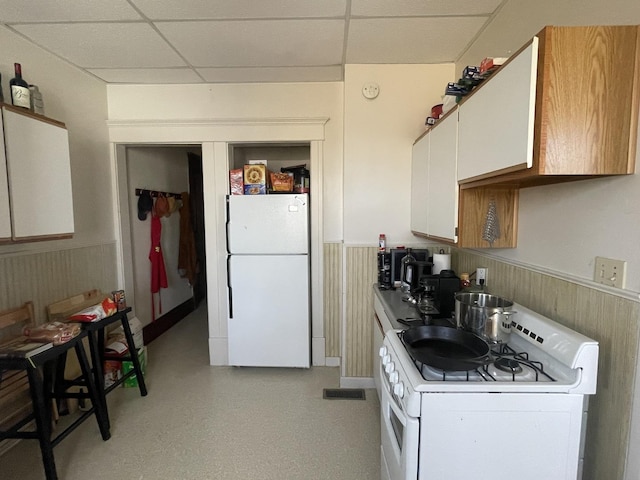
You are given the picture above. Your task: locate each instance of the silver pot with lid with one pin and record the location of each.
(488, 316)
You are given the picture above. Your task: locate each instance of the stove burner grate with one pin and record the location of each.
(507, 365)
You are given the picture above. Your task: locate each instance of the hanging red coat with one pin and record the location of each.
(158, 272)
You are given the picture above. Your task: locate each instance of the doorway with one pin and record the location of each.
(214, 137)
(170, 169)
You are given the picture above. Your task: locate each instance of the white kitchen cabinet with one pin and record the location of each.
(496, 122)
(419, 184)
(39, 176)
(442, 183)
(434, 186)
(5, 216)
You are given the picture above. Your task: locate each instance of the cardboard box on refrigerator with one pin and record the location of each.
(255, 179)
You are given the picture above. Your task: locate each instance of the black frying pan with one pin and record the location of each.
(446, 348)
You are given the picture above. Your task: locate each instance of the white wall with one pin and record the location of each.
(163, 169)
(249, 101)
(378, 138)
(79, 101)
(564, 227)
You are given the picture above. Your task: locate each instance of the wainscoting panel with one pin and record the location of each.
(46, 277)
(332, 298)
(611, 320)
(362, 272)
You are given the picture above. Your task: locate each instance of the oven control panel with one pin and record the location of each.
(395, 380)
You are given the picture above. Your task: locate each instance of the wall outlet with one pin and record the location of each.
(610, 272)
(481, 274)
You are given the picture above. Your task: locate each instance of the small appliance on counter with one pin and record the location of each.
(444, 286)
(414, 272)
(397, 254)
(384, 270)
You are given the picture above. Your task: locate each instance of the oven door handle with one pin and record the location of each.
(397, 409)
(388, 427)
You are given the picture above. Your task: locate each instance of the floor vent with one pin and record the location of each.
(343, 394)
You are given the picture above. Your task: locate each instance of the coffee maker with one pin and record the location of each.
(443, 287)
(415, 271)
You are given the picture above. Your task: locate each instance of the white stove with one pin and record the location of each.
(521, 416)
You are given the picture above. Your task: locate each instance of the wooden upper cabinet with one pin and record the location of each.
(587, 101)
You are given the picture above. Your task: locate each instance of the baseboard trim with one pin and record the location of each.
(357, 382)
(166, 321)
(332, 361)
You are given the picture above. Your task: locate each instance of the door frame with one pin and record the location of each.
(214, 136)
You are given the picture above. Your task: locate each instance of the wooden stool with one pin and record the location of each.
(96, 331)
(96, 336)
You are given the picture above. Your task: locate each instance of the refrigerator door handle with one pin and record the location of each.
(230, 290)
(227, 226)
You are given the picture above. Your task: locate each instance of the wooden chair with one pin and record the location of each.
(15, 401)
(62, 309)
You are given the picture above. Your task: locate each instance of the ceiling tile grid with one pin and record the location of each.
(236, 41)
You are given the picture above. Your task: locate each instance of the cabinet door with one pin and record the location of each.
(419, 186)
(442, 205)
(5, 218)
(39, 176)
(496, 122)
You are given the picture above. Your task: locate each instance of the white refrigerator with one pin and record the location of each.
(268, 280)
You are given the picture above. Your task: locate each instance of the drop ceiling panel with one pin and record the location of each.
(267, 75)
(106, 45)
(226, 9)
(410, 40)
(195, 41)
(266, 43)
(48, 11)
(402, 8)
(147, 75)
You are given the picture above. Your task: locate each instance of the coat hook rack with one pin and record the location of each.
(155, 193)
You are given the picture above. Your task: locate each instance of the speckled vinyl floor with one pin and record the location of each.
(203, 422)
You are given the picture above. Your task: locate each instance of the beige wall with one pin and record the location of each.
(248, 101)
(49, 271)
(378, 137)
(79, 101)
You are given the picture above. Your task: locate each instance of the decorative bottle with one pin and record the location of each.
(382, 242)
(20, 95)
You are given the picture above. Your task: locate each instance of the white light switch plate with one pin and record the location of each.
(610, 272)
